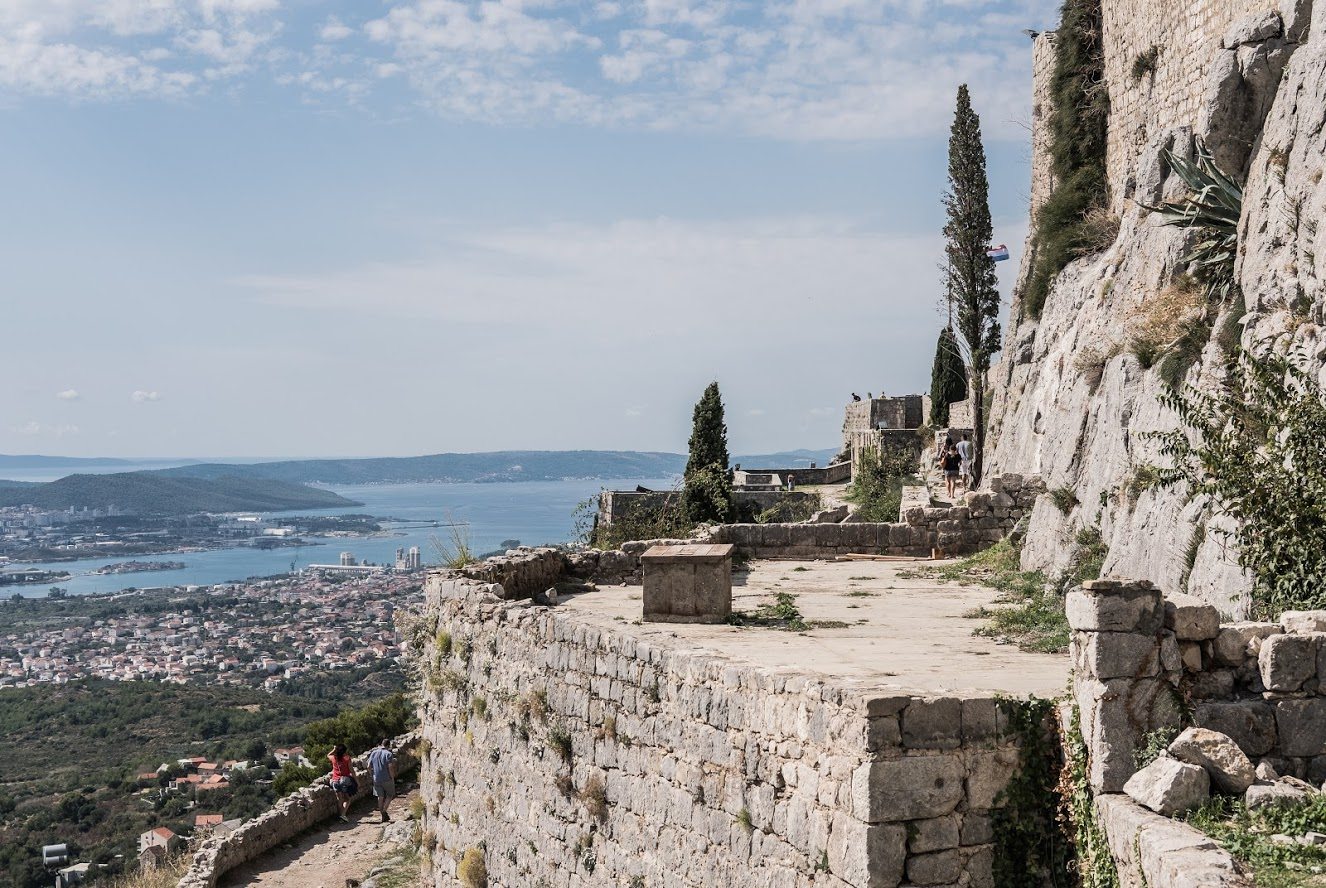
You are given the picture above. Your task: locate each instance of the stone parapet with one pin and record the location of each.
(286, 819)
(581, 755)
(984, 518)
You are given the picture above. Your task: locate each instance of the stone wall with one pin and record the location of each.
(1187, 35)
(984, 518)
(575, 755)
(289, 817)
(520, 572)
(1144, 662)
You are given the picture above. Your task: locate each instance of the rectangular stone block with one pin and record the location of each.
(1287, 661)
(688, 584)
(915, 787)
(932, 724)
(867, 855)
(1100, 607)
(1105, 655)
(936, 834)
(1190, 618)
(1301, 725)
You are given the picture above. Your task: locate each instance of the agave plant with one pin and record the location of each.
(1213, 206)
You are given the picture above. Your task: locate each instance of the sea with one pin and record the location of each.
(486, 515)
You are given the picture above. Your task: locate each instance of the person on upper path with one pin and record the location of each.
(382, 768)
(343, 779)
(951, 463)
(964, 451)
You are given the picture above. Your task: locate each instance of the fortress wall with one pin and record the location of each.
(985, 518)
(1188, 34)
(1144, 662)
(286, 819)
(574, 755)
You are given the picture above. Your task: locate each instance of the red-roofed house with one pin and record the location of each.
(161, 837)
(207, 821)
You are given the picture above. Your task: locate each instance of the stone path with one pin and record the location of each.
(327, 857)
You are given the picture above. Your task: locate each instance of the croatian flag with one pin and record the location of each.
(998, 254)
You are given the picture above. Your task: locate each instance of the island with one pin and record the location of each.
(125, 567)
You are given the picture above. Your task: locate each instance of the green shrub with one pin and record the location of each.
(876, 488)
(1064, 499)
(559, 741)
(1254, 447)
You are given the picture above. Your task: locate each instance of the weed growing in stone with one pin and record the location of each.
(559, 741)
(1064, 499)
(472, 869)
(594, 796)
(861, 593)
(1095, 863)
(1250, 837)
(1153, 744)
(744, 821)
(1028, 613)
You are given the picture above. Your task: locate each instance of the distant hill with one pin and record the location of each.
(154, 493)
(787, 459)
(16, 484)
(506, 465)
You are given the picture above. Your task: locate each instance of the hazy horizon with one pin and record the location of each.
(419, 227)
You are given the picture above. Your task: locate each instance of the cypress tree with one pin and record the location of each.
(971, 271)
(707, 493)
(948, 378)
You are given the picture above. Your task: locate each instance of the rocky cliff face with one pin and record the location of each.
(1076, 396)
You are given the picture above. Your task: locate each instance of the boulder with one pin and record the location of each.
(1229, 768)
(1285, 790)
(1169, 786)
(830, 516)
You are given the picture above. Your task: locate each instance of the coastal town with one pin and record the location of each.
(256, 634)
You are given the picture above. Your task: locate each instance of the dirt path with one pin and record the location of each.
(328, 856)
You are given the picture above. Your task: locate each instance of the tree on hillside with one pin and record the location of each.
(971, 271)
(948, 378)
(707, 492)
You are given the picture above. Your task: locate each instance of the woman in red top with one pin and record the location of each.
(343, 779)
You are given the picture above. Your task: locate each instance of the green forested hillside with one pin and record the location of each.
(71, 753)
(155, 493)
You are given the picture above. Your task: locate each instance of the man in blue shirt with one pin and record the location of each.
(382, 768)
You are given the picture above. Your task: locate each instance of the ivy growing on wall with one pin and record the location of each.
(1064, 226)
(1031, 851)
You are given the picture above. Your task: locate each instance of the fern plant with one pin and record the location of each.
(1212, 207)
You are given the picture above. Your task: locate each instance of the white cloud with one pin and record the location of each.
(68, 395)
(334, 29)
(35, 429)
(139, 396)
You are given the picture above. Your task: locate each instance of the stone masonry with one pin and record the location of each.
(576, 755)
(1144, 662)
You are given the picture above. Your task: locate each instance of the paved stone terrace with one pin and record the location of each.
(907, 631)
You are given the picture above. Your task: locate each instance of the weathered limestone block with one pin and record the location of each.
(1169, 786)
(939, 868)
(1304, 622)
(915, 787)
(1106, 655)
(1115, 714)
(981, 719)
(1109, 606)
(1230, 769)
(688, 584)
(977, 829)
(936, 834)
(932, 724)
(1284, 790)
(1253, 29)
(867, 855)
(989, 773)
(1287, 661)
(1190, 618)
(1301, 725)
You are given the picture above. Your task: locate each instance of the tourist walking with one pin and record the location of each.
(343, 779)
(964, 451)
(382, 768)
(952, 466)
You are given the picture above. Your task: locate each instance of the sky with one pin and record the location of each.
(392, 227)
